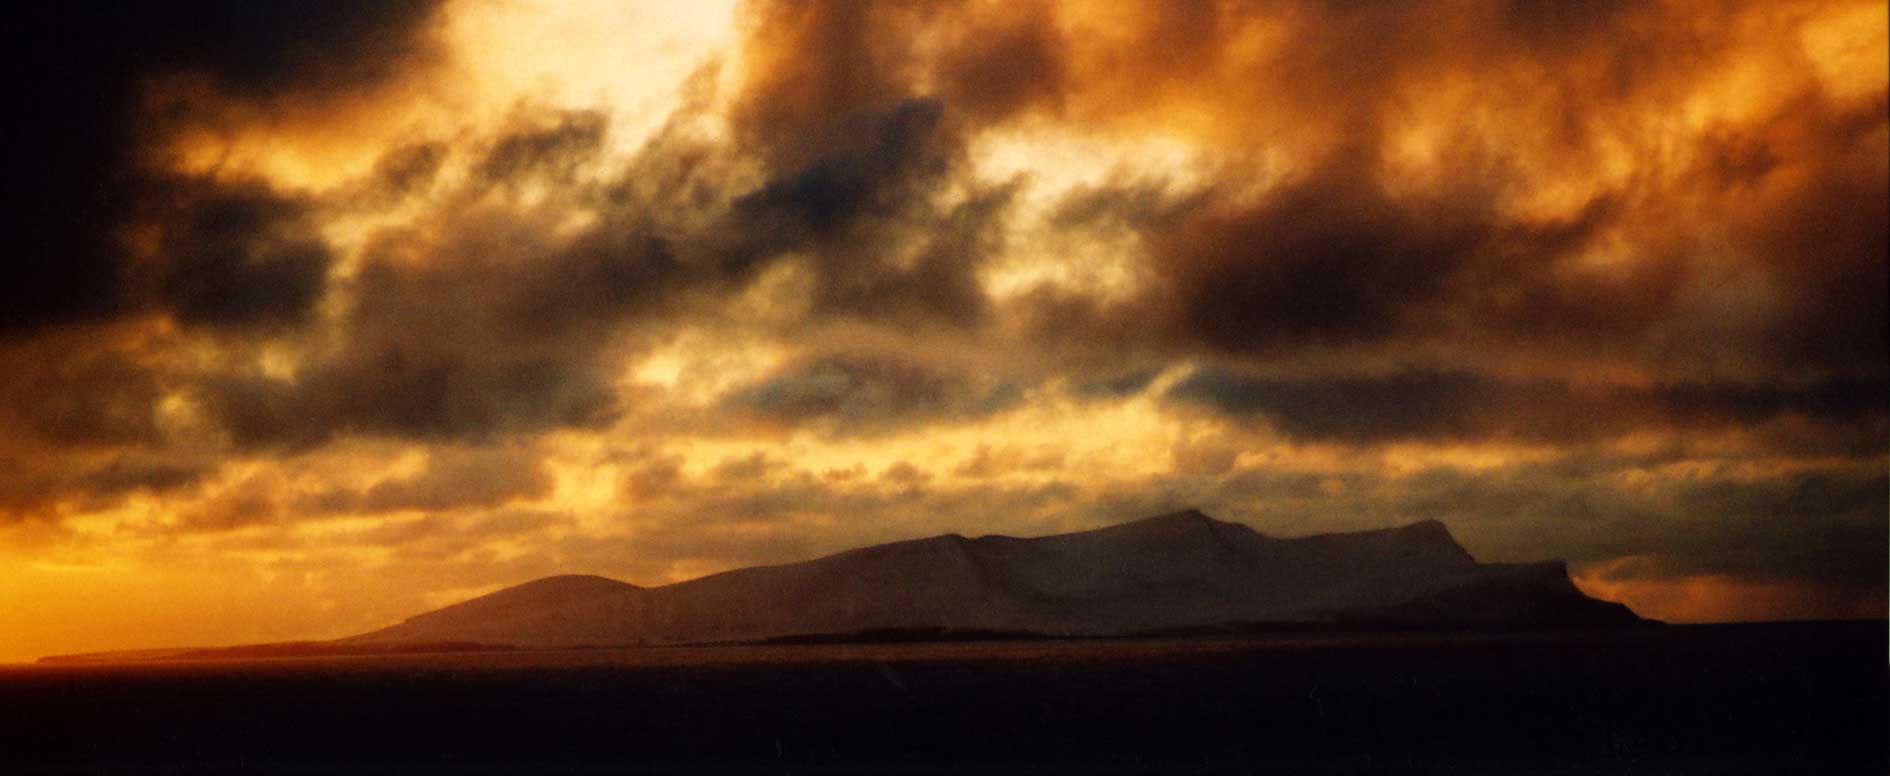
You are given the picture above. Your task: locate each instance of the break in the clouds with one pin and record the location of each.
(396, 302)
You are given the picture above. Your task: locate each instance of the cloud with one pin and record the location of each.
(1395, 202)
(990, 461)
(83, 399)
(552, 148)
(812, 68)
(129, 474)
(490, 317)
(1331, 260)
(870, 175)
(1804, 205)
(1462, 406)
(405, 171)
(1120, 386)
(37, 488)
(1821, 525)
(268, 51)
(865, 212)
(994, 69)
(870, 393)
(498, 317)
(239, 256)
(75, 154)
(451, 350)
(453, 478)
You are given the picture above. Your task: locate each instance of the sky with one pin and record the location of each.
(321, 315)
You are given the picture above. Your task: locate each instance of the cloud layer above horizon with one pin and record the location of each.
(322, 315)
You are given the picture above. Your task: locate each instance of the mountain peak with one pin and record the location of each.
(1428, 528)
(1188, 516)
(1430, 533)
(1187, 522)
(561, 584)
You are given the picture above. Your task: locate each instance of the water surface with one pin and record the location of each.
(1749, 699)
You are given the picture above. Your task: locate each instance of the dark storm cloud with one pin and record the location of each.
(1121, 386)
(1817, 220)
(815, 65)
(1425, 405)
(1528, 284)
(1462, 406)
(493, 317)
(130, 474)
(32, 487)
(73, 141)
(860, 393)
(886, 156)
(1823, 524)
(81, 399)
(499, 320)
(26, 491)
(938, 284)
(1552, 23)
(238, 255)
(68, 149)
(1819, 525)
(1337, 258)
(997, 68)
(438, 352)
(81, 426)
(1330, 261)
(1344, 253)
(268, 49)
(855, 208)
(441, 397)
(860, 153)
(814, 68)
(860, 150)
(489, 316)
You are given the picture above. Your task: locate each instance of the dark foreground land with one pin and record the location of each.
(1702, 699)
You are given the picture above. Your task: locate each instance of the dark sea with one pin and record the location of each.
(1777, 698)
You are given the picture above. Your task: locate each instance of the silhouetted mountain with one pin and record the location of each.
(1170, 573)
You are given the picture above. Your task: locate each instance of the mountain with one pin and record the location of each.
(1171, 572)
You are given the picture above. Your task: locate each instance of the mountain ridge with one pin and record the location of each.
(1176, 570)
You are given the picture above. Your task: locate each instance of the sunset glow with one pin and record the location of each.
(364, 318)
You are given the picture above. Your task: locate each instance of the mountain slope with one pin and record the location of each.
(554, 610)
(1180, 570)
